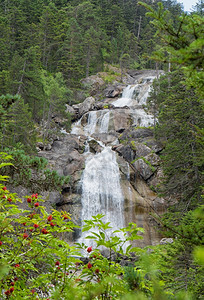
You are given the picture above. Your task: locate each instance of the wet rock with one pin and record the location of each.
(106, 138)
(94, 146)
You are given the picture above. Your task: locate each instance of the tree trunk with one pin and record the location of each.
(21, 79)
(88, 62)
(139, 27)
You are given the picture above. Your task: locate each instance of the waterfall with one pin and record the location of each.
(141, 118)
(100, 181)
(101, 190)
(127, 97)
(91, 124)
(76, 127)
(105, 122)
(135, 94)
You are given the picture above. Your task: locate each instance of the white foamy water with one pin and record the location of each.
(135, 94)
(97, 122)
(101, 191)
(141, 118)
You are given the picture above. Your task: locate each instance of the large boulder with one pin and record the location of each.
(82, 108)
(113, 91)
(125, 151)
(133, 133)
(143, 168)
(140, 149)
(120, 119)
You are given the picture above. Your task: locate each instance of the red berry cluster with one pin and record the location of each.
(44, 231)
(8, 292)
(32, 198)
(89, 249)
(49, 219)
(65, 217)
(4, 196)
(25, 235)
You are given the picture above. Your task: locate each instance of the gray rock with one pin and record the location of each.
(40, 145)
(94, 83)
(153, 159)
(154, 145)
(136, 133)
(165, 241)
(143, 168)
(69, 109)
(125, 151)
(120, 119)
(94, 146)
(140, 149)
(113, 91)
(84, 107)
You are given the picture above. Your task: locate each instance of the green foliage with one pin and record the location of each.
(33, 258)
(17, 125)
(35, 262)
(183, 43)
(180, 264)
(182, 159)
(32, 172)
(146, 161)
(57, 95)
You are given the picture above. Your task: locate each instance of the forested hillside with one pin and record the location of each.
(46, 49)
(39, 39)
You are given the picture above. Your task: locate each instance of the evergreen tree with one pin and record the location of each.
(56, 96)
(17, 126)
(30, 85)
(179, 113)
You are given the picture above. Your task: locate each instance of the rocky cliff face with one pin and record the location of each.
(117, 124)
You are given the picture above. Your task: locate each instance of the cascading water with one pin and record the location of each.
(91, 124)
(100, 181)
(141, 118)
(105, 123)
(101, 190)
(135, 94)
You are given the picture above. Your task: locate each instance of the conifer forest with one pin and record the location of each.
(102, 150)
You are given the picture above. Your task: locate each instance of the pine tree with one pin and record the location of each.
(56, 95)
(18, 127)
